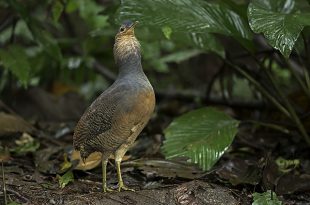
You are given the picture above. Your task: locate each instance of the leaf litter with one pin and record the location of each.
(245, 163)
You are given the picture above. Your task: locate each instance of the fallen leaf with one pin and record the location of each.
(43, 161)
(285, 165)
(291, 183)
(166, 168)
(11, 124)
(66, 164)
(92, 161)
(266, 198)
(65, 179)
(26, 143)
(239, 171)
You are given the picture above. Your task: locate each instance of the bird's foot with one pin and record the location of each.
(124, 188)
(106, 189)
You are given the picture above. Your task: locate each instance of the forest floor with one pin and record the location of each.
(40, 167)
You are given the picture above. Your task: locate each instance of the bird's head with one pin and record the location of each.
(127, 29)
(126, 43)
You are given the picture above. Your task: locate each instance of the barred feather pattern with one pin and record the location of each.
(108, 122)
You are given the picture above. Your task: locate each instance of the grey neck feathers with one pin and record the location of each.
(128, 57)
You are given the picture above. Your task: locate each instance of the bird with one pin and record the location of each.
(112, 122)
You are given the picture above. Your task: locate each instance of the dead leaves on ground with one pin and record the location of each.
(11, 124)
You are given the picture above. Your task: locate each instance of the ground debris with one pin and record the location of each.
(195, 192)
(11, 124)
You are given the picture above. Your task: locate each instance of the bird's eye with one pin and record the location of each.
(122, 29)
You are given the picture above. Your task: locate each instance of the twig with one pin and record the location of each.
(104, 71)
(269, 125)
(3, 182)
(6, 108)
(222, 86)
(86, 181)
(247, 54)
(191, 96)
(7, 20)
(12, 38)
(307, 51)
(307, 78)
(18, 195)
(210, 85)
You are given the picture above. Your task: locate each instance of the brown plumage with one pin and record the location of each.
(114, 120)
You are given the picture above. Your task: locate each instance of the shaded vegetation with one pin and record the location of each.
(249, 59)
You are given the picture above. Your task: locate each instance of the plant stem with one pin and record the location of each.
(288, 110)
(269, 125)
(261, 88)
(4, 187)
(299, 80)
(307, 52)
(307, 78)
(292, 112)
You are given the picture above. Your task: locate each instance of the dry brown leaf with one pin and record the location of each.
(165, 168)
(10, 124)
(92, 161)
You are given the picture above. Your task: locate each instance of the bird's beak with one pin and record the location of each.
(134, 25)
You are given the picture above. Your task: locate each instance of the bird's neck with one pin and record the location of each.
(131, 65)
(127, 56)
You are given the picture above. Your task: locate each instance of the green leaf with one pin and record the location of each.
(180, 56)
(186, 16)
(43, 37)
(100, 21)
(21, 9)
(26, 144)
(286, 165)
(65, 179)
(16, 60)
(279, 21)
(71, 6)
(152, 52)
(266, 198)
(207, 42)
(90, 12)
(57, 9)
(202, 135)
(66, 164)
(167, 31)
(49, 44)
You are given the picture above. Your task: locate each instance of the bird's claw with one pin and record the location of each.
(124, 188)
(106, 189)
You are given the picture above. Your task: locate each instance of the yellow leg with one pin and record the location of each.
(104, 176)
(121, 185)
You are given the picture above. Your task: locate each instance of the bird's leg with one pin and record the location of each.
(118, 158)
(104, 176)
(121, 185)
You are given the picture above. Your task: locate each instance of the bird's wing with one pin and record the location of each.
(98, 118)
(109, 121)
